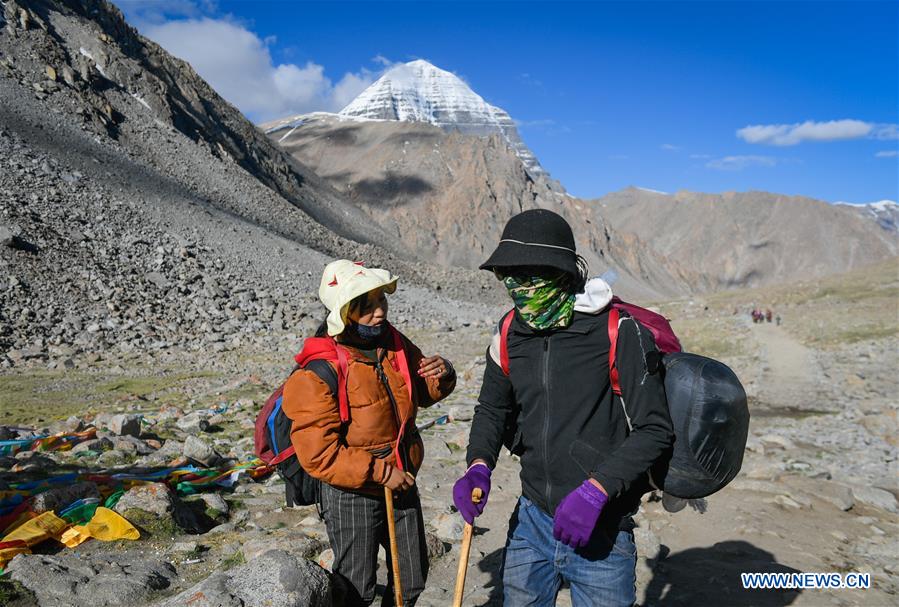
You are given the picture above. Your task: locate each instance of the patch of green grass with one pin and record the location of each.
(31, 396)
(828, 312)
(214, 514)
(234, 560)
(11, 590)
(154, 525)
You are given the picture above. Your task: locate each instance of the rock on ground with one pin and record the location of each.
(274, 579)
(96, 580)
(54, 499)
(155, 498)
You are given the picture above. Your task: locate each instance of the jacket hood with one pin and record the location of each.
(596, 296)
(316, 347)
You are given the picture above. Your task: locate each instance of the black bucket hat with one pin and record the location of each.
(536, 238)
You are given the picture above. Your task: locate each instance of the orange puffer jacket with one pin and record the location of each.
(354, 455)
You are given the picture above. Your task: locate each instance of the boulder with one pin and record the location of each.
(60, 497)
(876, 498)
(155, 498)
(293, 542)
(91, 580)
(195, 421)
(274, 579)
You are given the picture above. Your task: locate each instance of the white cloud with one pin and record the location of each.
(887, 154)
(833, 130)
(669, 147)
(738, 163)
(239, 66)
(885, 131)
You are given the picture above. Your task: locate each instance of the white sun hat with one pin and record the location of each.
(344, 280)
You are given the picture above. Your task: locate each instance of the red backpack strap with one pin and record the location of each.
(343, 403)
(504, 341)
(290, 451)
(614, 317)
(402, 361)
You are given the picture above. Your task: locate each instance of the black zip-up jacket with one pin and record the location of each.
(570, 425)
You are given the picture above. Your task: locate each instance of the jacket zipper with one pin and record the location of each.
(546, 418)
(396, 410)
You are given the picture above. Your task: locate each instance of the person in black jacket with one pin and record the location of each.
(585, 453)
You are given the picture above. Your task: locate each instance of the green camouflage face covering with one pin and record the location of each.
(542, 303)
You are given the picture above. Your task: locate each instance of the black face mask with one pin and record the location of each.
(369, 332)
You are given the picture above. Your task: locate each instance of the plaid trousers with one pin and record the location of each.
(357, 525)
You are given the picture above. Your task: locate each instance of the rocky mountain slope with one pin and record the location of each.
(140, 210)
(447, 195)
(884, 212)
(740, 239)
(430, 162)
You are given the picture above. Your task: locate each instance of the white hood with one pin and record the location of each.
(596, 296)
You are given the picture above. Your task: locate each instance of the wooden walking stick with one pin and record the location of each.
(463, 555)
(394, 551)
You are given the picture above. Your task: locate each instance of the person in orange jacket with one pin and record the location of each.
(387, 379)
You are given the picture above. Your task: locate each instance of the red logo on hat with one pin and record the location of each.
(333, 283)
(359, 263)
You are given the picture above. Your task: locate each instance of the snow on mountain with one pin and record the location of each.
(420, 92)
(884, 212)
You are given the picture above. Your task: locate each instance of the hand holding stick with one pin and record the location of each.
(463, 554)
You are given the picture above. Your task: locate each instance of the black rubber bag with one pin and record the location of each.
(711, 422)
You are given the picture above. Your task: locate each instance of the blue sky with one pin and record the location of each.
(795, 98)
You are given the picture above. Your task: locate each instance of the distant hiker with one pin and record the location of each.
(768, 315)
(778, 320)
(385, 378)
(584, 454)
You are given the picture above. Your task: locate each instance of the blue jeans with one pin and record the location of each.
(535, 565)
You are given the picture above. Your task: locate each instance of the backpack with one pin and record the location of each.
(706, 401)
(271, 437)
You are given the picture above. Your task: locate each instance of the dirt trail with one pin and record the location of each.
(790, 373)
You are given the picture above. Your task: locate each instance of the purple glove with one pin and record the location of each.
(476, 477)
(577, 514)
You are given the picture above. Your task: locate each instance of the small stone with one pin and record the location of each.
(193, 422)
(448, 526)
(216, 502)
(786, 503)
(125, 424)
(185, 547)
(51, 73)
(436, 546)
(99, 444)
(326, 559)
(199, 451)
(774, 441)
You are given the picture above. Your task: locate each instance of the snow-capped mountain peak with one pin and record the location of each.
(421, 92)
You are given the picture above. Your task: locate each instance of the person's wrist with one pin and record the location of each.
(479, 462)
(598, 485)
